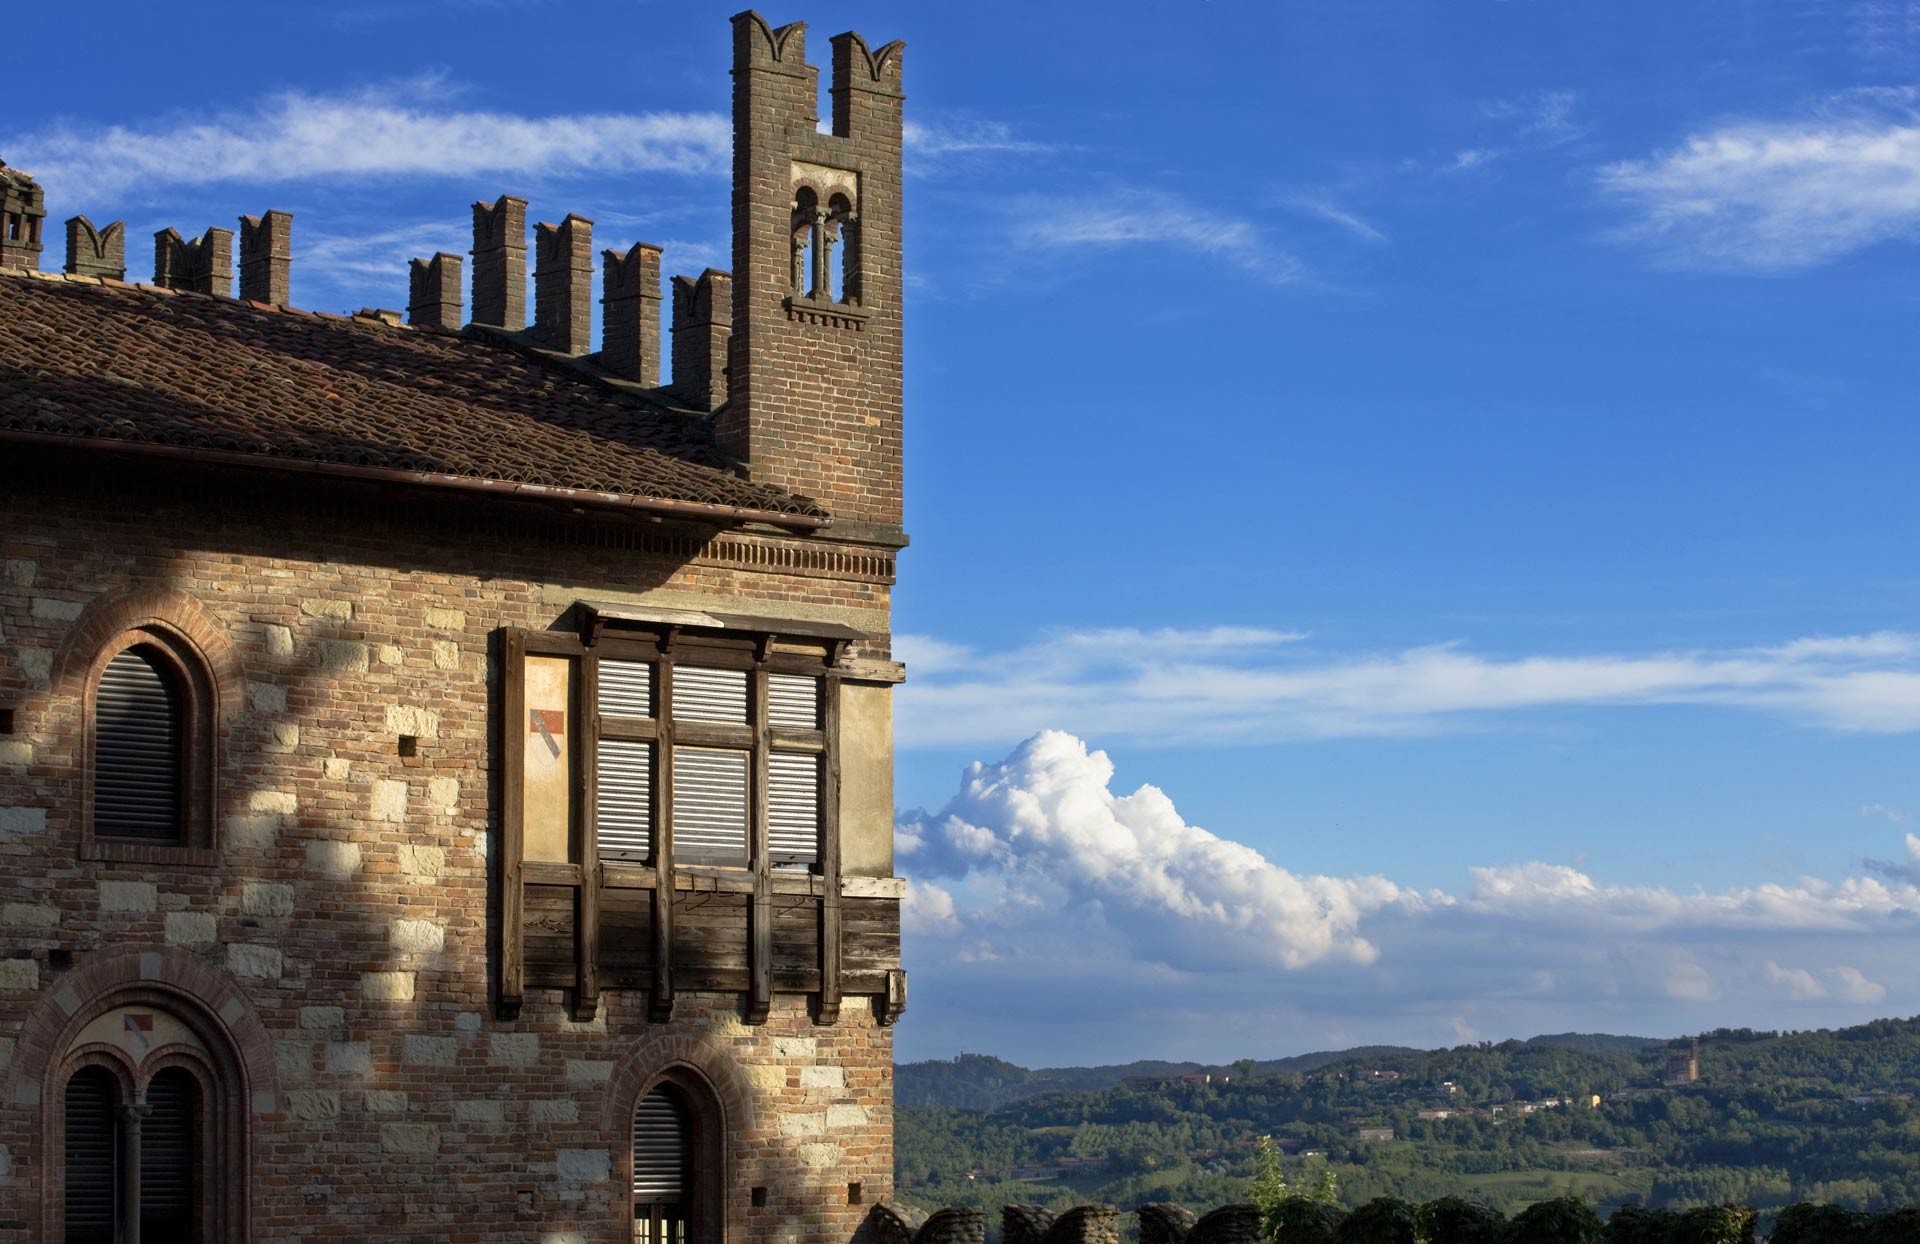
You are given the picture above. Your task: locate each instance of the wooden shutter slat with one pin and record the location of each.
(623, 798)
(659, 1149)
(793, 809)
(169, 1153)
(710, 806)
(716, 695)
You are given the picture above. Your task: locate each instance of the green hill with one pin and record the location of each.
(1774, 1118)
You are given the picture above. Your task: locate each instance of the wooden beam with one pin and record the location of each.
(513, 716)
(828, 1009)
(660, 997)
(586, 848)
(760, 914)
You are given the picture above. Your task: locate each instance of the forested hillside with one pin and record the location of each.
(1773, 1118)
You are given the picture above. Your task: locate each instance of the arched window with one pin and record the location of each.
(170, 1159)
(151, 723)
(662, 1168)
(92, 1156)
(138, 733)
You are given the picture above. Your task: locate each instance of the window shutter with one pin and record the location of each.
(709, 806)
(710, 695)
(169, 1149)
(793, 701)
(659, 1150)
(793, 809)
(136, 758)
(623, 797)
(91, 1151)
(626, 688)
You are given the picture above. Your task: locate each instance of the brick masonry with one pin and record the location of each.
(346, 918)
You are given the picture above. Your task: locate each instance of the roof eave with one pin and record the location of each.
(664, 506)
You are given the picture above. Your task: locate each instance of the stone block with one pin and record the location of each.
(349, 1058)
(587, 1072)
(336, 769)
(192, 928)
(417, 937)
(313, 1105)
(479, 1111)
(279, 640)
(391, 654)
(818, 1155)
(386, 986)
(341, 656)
(383, 1101)
(766, 1079)
(513, 1049)
(254, 961)
(337, 610)
(293, 1060)
(35, 665)
(443, 792)
(424, 1051)
(23, 820)
(446, 619)
(335, 861)
(330, 1020)
(252, 831)
(6, 1053)
(803, 1123)
(388, 801)
(282, 737)
(423, 863)
(410, 1138)
(15, 752)
(587, 1166)
(446, 655)
(550, 1113)
(267, 697)
(30, 916)
(264, 898)
(19, 974)
(21, 572)
(128, 898)
(795, 1047)
(823, 1077)
(846, 1118)
(57, 610)
(279, 802)
(422, 723)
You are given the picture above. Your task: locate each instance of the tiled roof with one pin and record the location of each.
(87, 358)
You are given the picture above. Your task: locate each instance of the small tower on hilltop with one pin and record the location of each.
(1683, 1064)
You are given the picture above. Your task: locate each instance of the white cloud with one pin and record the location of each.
(1251, 685)
(1133, 219)
(405, 129)
(1049, 912)
(968, 136)
(1328, 210)
(1783, 194)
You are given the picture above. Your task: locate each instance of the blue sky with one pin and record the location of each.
(1461, 454)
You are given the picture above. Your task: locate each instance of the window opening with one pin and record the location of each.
(661, 1158)
(92, 1156)
(137, 740)
(169, 1152)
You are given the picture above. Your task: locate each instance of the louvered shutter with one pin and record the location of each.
(136, 759)
(623, 799)
(710, 695)
(793, 809)
(793, 701)
(709, 805)
(660, 1137)
(626, 688)
(169, 1149)
(91, 1150)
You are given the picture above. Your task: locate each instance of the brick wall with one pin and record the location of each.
(346, 919)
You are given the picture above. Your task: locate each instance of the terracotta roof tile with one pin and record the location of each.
(87, 358)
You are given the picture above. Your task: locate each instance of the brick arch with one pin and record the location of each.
(240, 1066)
(720, 1099)
(157, 606)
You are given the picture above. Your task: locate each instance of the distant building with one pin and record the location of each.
(1683, 1065)
(1155, 1082)
(1436, 1114)
(1370, 1134)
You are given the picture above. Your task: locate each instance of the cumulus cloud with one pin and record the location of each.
(1249, 685)
(1780, 194)
(1048, 910)
(401, 129)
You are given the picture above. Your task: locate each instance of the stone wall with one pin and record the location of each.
(345, 918)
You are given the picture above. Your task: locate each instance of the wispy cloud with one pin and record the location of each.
(969, 136)
(1042, 887)
(1132, 219)
(407, 129)
(1535, 122)
(1224, 685)
(1780, 195)
(1326, 209)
